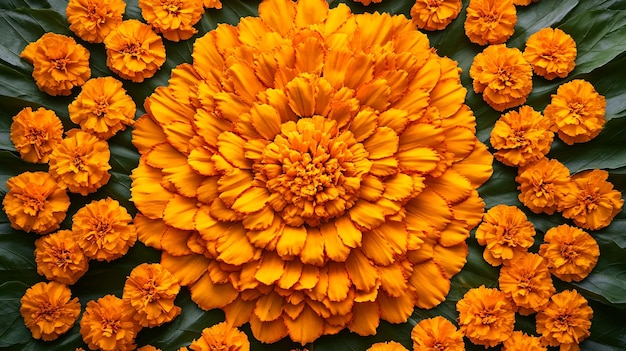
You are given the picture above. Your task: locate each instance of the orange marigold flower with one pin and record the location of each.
(92, 20)
(527, 280)
(486, 316)
(490, 21)
(565, 320)
(502, 75)
(571, 253)
(59, 258)
(148, 348)
(134, 51)
(434, 14)
(521, 137)
(107, 324)
(35, 134)
(35, 202)
(80, 162)
(49, 310)
(221, 336)
(367, 2)
(520, 341)
(523, 2)
(102, 108)
(591, 201)
(543, 185)
(150, 290)
(551, 53)
(577, 111)
(173, 18)
(59, 63)
(102, 229)
(436, 334)
(387, 346)
(506, 232)
(213, 4)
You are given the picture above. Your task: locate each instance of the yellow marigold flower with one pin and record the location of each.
(521, 137)
(80, 162)
(59, 63)
(215, 4)
(551, 53)
(591, 201)
(173, 18)
(221, 336)
(527, 280)
(571, 253)
(502, 75)
(506, 232)
(520, 341)
(35, 202)
(490, 21)
(49, 310)
(486, 316)
(148, 348)
(36, 133)
(436, 334)
(107, 324)
(150, 290)
(367, 2)
(543, 185)
(565, 320)
(93, 20)
(59, 258)
(134, 51)
(434, 14)
(577, 111)
(102, 229)
(102, 108)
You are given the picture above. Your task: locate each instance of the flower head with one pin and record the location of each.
(36, 133)
(212, 4)
(173, 18)
(571, 253)
(565, 320)
(49, 310)
(35, 202)
(520, 341)
(490, 21)
(502, 75)
(387, 346)
(221, 336)
(59, 258)
(543, 185)
(436, 334)
(148, 348)
(59, 63)
(93, 20)
(367, 2)
(551, 53)
(107, 324)
(134, 51)
(434, 14)
(526, 279)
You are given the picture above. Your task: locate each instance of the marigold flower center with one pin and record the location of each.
(77, 161)
(505, 76)
(563, 322)
(569, 252)
(577, 108)
(61, 64)
(101, 107)
(32, 204)
(48, 312)
(172, 7)
(101, 227)
(62, 257)
(487, 317)
(110, 327)
(133, 49)
(37, 137)
(94, 15)
(433, 5)
(150, 292)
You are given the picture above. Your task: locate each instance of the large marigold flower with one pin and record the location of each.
(49, 310)
(527, 280)
(102, 108)
(591, 201)
(577, 111)
(323, 186)
(520, 341)
(551, 53)
(434, 14)
(436, 334)
(221, 336)
(36, 133)
(502, 75)
(490, 21)
(93, 20)
(543, 185)
(107, 324)
(59, 258)
(521, 137)
(387, 346)
(565, 320)
(173, 18)
(486, 316)
(59, 63)
(571, 253)
(80, 162)
(35, 202)
(134, 51)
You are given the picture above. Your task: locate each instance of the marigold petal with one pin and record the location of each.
(309, 12)
(395, 309)
(268, 332)
(362, 272)
(208, 295)
(232, 184)
(271, 268)
(477, 166)
(145, 133)
(334, 247)
(187, 269)
(251, 200)
(291, 275)
(451, 185)
(278, 15)
(366, 318)
(269, 307)
(340, 282)
(350, 235)
(180, 212)
(363, 124)
(438, 284)
(383, 143)
(374, 94)
(235, 248)
(313, 250)
(393, 280)
(367, 214)
(184, 178)
(292, 241)
(305, 328)
(420, 159)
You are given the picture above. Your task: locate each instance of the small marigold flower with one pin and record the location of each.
(490, 21)
(520, 341)
(35, 202)
(523, 2)
(134, 51)
(148, 348)
(213, 4)
(551, 53)
(436, 334)
(577, 111)
(36, 133)
(59, 63)
(506, 232)
(150, 290)
(367, 2)
(591, 201)
(434, 14)
(107, 324)
(221, 336)
(59, 258)
(93, 20)
(570, 252)
(102, 108)
(527, 280)
(565, 320)
(486, 316)
(103, 229)
(387, 346)
(173, 18)
(80, 162)
(543, 185)
(49, 310)
(502, 75)
(521, 137)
